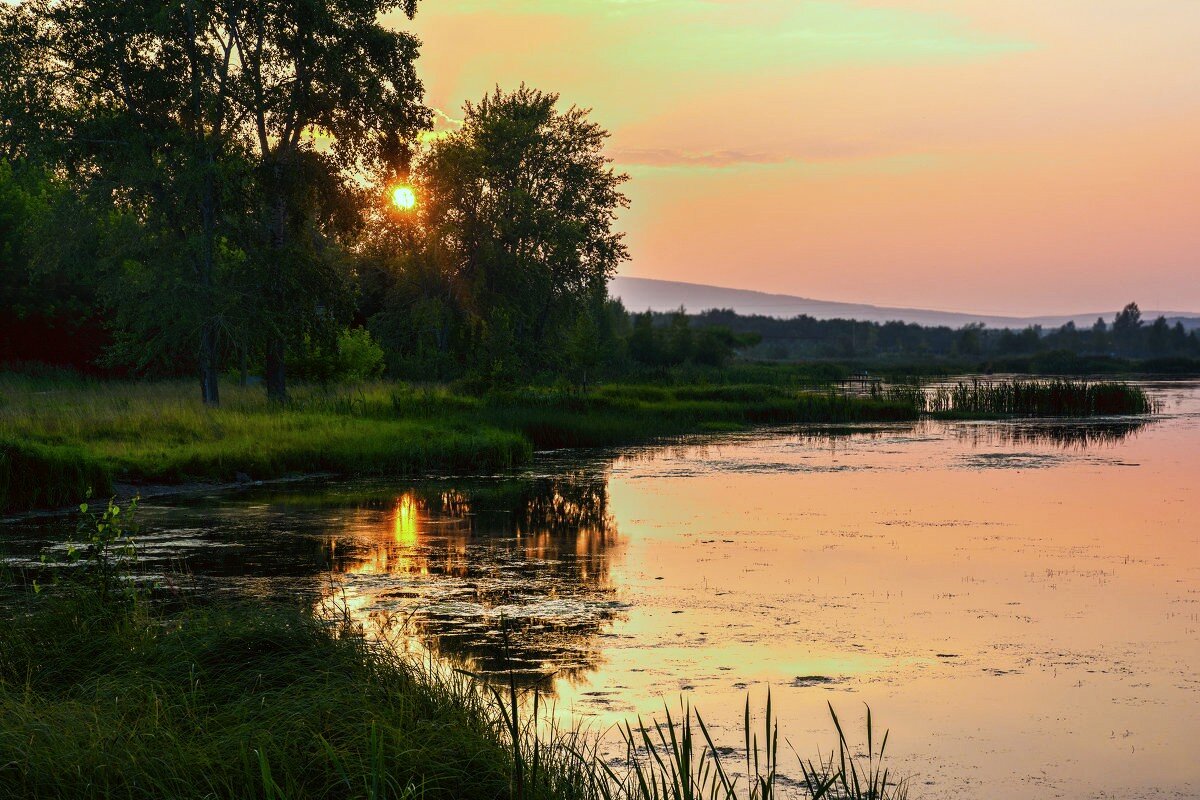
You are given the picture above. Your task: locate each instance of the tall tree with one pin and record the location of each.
(193, 116)
(1126, 327)
(520, 206)
(330, 94)
(133, 101)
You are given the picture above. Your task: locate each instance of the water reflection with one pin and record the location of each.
(511, 577)
(982, 607)
(496, 575)
(1080, 435)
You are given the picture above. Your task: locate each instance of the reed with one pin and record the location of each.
(1060, 397)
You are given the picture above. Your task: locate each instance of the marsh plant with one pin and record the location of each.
(675, 757)
(1059, 397)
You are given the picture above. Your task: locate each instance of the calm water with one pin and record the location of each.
(1019, 602)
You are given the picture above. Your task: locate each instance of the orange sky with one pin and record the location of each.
(1006, 157)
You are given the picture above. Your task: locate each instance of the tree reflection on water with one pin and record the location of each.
(507, 577)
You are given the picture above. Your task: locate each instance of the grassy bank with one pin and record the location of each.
(237, 702)
(34, 475)
(59, 436)
(159, 432)
(103, 701)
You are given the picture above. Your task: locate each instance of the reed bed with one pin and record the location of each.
(1021, 398)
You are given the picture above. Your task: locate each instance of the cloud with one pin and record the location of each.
(818, 158)
(673, 157)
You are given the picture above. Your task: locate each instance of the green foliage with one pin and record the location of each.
(512, 243)
(235, 702)
(156, 432)
(623, 413)
(360, 357)
(677, 342)
(260, 701)
(65, 438)
(188, 129)
(355, 356)
(972, 347)
(106, 562)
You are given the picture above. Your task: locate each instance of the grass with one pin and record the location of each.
(90, 432)
(624, 413)
(256, 701)
(107, 693)
(238, 702)
(34, 475)
(1049, 398)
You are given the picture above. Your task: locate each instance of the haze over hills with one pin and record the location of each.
(639, 294)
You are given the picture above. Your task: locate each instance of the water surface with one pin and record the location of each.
(1019, 602)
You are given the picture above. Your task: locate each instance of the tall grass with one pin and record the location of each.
(1060, 397)
(234, 703)
(624, 413)
(38, 476)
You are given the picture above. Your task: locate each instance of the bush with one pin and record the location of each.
(355, 356)
(359, 356)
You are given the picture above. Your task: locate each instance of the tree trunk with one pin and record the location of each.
(209, 371)
(276, 377)
(277, 232)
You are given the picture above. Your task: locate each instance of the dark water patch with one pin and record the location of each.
(806, 681)
(1010, 461)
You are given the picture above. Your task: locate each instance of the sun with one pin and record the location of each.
(404, 198)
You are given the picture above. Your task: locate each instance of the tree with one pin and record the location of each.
(518, 211)
(643, 344)
(969, 341)
(1126, 327)
(327, 94)
(1100, 335)
(583, 351)
(131, 100)
(194, 118)
(1158, 338)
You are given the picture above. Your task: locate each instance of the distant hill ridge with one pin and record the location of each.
(639, 294)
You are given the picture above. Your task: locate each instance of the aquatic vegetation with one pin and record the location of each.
(1073, 435)
(1059, 397)
(157, 696)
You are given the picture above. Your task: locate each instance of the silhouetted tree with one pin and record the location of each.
(132, 100)
(518, 212)
(327, 93)
(1126, 327)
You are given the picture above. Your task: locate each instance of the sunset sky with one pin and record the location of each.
(1005, 157)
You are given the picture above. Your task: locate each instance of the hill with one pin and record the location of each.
(639, 294)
